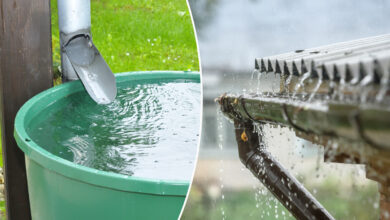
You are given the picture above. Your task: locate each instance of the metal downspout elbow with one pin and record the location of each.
(80, 59)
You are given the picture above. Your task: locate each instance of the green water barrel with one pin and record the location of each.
(60, 189)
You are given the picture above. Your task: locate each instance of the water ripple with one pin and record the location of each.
(150, 130)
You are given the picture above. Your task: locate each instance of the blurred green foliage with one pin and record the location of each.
(361, 203)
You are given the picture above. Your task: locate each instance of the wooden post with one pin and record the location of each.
(25, 70)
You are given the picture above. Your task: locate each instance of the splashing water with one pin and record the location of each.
(323, 180)
(150, 130)
(384, 85)
(259, 74)
(341, 87)
(287, 82)
(300, 84)
(221, 165)
(254, 72)
(364, 84)
(317, 86)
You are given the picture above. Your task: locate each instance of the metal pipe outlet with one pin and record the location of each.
(80, 59)
(275, 177)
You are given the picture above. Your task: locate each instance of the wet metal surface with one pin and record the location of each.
(356, 57)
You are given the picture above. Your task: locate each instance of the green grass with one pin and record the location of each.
(135, 35)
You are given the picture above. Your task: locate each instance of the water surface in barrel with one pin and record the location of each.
(151, 130)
